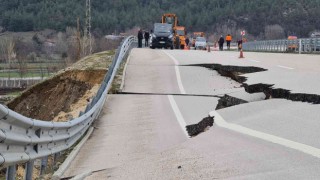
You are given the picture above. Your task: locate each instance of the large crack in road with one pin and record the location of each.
(235, 73)
(228, 101)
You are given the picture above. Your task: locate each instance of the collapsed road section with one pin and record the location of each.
(236, 72)
(251, 93)
(233, 72)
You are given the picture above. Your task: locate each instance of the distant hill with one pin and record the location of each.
(260, 18)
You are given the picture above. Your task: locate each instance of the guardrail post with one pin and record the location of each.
(29, 170)
(44, 163)
(11, 172)
(55, 160)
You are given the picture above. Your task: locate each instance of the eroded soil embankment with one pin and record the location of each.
(47, 100)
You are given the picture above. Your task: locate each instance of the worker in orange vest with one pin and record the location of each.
(228, 39)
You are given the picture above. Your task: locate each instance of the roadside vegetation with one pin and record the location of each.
(39, 54)
(29, 57)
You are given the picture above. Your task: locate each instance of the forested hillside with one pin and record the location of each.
(287, 17)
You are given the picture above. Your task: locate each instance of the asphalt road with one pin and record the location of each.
(141, 134)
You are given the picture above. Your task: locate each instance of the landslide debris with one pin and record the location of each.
(63, 96)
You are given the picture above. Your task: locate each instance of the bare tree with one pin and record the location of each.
(85, 46)
(61, 45)
(274, 32)
(7, 48)
(22, 67)
(72, 44)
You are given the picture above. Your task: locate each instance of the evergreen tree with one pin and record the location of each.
(294, 16)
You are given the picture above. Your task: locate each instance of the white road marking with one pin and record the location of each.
(181, 88)
(267, 137)
(253, 60)
(178, 114)
(176, 62)
(285, 67)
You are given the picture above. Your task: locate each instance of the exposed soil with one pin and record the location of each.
(78, 106)
(63, 96)
(46, 100)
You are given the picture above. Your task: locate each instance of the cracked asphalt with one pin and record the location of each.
(143, 136)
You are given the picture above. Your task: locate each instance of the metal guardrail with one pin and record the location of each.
(23, 139)
(311, 45)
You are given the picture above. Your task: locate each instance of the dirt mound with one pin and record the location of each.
(46, 100)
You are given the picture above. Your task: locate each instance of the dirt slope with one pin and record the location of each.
(63, 96)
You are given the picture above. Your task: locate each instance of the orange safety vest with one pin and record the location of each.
(229, 38)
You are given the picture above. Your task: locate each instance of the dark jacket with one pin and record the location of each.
(187, 41)
(221, 40)
(140, 35)
(146, 35)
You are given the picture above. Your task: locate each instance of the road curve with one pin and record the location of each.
(140, 134)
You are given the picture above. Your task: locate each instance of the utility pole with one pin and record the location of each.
(78, 40)
(88, 24)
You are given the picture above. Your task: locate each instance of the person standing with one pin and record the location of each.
(146, 38)
(221, 42)
(239, 44)
(140, 37)
(177, 42)
(228, 39)
(187, 42)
